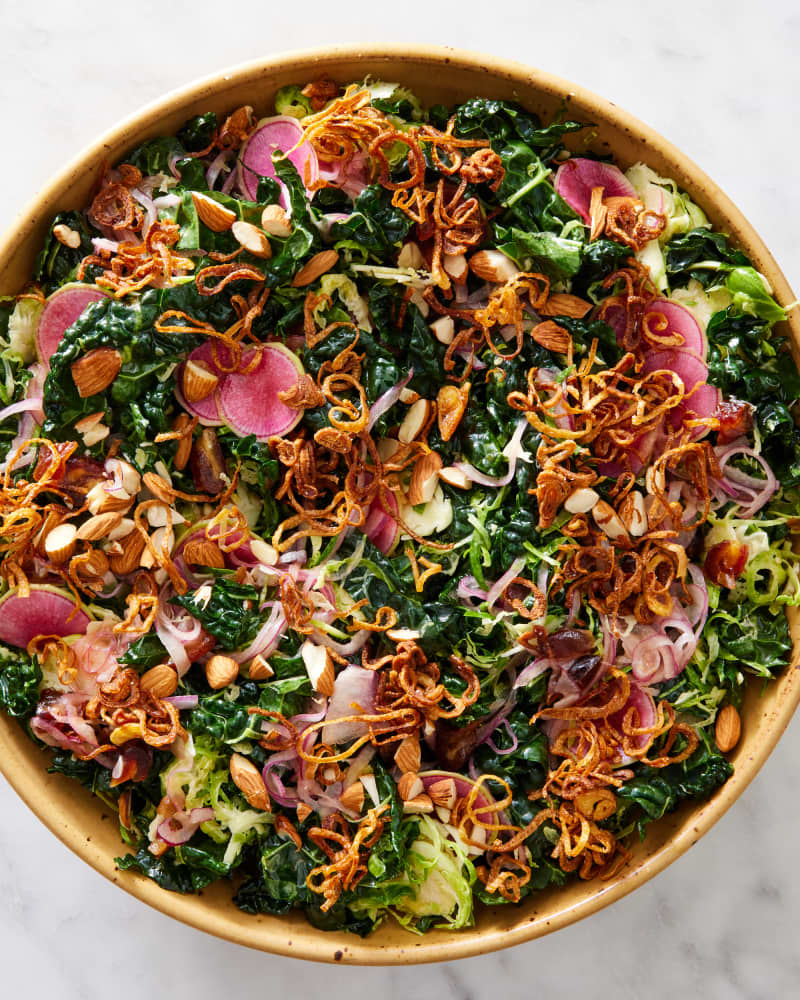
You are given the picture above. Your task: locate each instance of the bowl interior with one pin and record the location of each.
(437, 76)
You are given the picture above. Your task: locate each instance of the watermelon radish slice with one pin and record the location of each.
(60, 312)
(249, 402)
(206, 410)
(576, 178)
(679, 321)
(281, 133)
(380, 527)
(45, 611)
(688, 367)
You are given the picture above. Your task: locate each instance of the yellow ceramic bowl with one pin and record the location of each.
(82, 822)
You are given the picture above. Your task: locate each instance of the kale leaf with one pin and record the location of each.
(230, 614)
(20, 677)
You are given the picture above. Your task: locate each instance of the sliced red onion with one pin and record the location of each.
(653, 660)
(173, 637)
(697, 611)
(216, 166)
(533, 670)
(101, 243)
(385, 402)
(150, 211)
(468, 589)
(355, 686)
(512, 451)
(357, 643)
(514, 740)
(750, 493)
(182, 826)
(498, 588)
(183, 701)
(23, 406)
(266, 640)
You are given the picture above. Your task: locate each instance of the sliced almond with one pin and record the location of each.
(456, 266)
(419, 804)
(444, 329)
(59, 545)
(69, 237)
(387, 449)
(125, 526)
(275, 221)
(160, 681)
(552, 337)
(410, 256)
(608, 520)
(303, 811)
(455, 477)
(132, 549)
(91, 428)
(443, 793)
(414, 421)
(493, 265)
(265, 553)
(561, 304)
(221, 671)
(728, 728)
(97, 434)
(633, 513)
(126, 732)
(212, 214)
(424, 478)
(203, 552)
(352, 798)
(99, 526)
(198, 381)
(124, 473)
(184, 449)
(252, 239)
(258, 669)
(408, 396)
(451, 403)
(95, 371)
(247, 778)
(319, 666)
(407, 756)
(101, 500)
(402, 634)
(317, 266)
(581, 501)
(410, 786)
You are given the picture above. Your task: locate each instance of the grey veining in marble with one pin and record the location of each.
(720, 80)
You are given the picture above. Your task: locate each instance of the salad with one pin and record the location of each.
(394, 504)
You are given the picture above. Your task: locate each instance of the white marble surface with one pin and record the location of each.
(720, 80)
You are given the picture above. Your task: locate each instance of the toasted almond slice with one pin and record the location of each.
(317, 266)
(203, 552)
(561, 304)
(402, 634)
(410, 786)
(608, 520)
(126, 473)
(633, 514)
(414, 421)
(424, 478)
(217, 217)
(410, 256)
(493, 265)
(456, 266)
(252, 239)
(266, 554)
(184, 448)
(443, 792)
(95, 371)
(247, 778)
(99, 526)
(90, 421)
(258, 669)
(419, 804)
(59, 545)
(455, 477)
(69, 237)
(451, 403)
(221, 671)
(581, 501)
(95, 435)
(198, 381)
(319, 667)
(408, 396)
(160, 681)
(122, 530)
(407, 756)
(444, 329)
(275, 221)
(352, 798)
(132, 549)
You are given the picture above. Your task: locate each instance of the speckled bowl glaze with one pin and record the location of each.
(448, 76)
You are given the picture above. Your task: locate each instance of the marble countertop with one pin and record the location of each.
(719, 80)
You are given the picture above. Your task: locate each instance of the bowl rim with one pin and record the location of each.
(311, 943)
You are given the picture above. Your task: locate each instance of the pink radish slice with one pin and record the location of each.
(688, 367)
(380, 527)
(249, 402)
(679, 321)
(576, 178)
(60, 312)
(281, 133)
(643, 702)
(638, 455)
(45, 611)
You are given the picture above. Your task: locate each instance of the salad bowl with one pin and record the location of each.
(436, 75)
